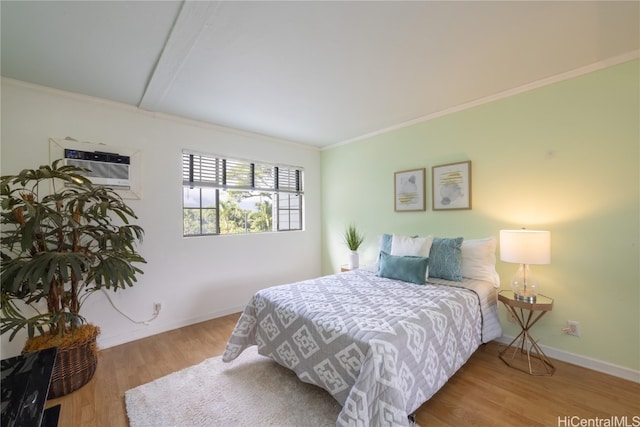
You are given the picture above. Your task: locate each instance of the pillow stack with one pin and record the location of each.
(415, 259)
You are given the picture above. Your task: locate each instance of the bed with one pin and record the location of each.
(379, 344)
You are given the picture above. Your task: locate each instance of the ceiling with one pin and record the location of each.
(318, 73)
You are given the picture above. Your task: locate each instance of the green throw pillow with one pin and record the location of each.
(406, 268)
(445, 259)
(385, 243)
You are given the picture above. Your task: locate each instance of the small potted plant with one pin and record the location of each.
(353, 239)
(62, 239)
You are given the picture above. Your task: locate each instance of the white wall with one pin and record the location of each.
(195, 278)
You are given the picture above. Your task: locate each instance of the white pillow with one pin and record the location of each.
(479, 260)
(411, 246)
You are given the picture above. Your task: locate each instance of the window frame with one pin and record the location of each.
(200, 170)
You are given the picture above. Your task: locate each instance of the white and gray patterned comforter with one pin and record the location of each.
(380, 347)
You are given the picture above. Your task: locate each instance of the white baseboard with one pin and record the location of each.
(105, 342)
(585, 362)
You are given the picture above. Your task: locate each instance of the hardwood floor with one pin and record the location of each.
(485, 392)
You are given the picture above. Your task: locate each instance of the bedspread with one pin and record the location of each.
(380, 347)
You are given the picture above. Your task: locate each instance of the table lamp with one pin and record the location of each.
(525, 247)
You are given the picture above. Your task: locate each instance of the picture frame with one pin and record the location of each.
(409, 190)
(451, 186)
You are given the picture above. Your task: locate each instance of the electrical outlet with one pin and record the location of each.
(157, 306)
(573, 328)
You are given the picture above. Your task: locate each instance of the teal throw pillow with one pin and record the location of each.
(385, 243)
(406, 268)
(445, 259)
(385, 246)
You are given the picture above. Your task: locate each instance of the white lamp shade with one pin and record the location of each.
(525, 246)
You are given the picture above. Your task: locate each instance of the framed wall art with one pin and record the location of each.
(451, 186)
(409, 190)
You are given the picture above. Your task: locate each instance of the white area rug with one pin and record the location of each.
(250, 391)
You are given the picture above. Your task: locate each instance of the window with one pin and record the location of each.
(228, 196)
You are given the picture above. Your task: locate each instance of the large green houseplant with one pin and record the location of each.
(62, 239)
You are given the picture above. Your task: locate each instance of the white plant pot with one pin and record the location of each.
(354, 260)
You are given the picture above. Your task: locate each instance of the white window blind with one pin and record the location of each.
(204, 171)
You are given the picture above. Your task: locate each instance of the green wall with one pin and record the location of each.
(563, 158)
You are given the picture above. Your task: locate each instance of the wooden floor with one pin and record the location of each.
(485, 392)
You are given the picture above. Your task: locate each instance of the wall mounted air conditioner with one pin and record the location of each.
(108, 169)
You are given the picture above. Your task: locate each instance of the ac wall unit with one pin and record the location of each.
(108, 169)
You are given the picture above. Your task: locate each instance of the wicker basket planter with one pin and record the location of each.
(76, 361)
(75, 366)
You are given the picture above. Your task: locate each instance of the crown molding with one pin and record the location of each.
(596, 66)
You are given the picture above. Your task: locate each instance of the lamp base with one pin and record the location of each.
(524, 285)
(526, 298)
